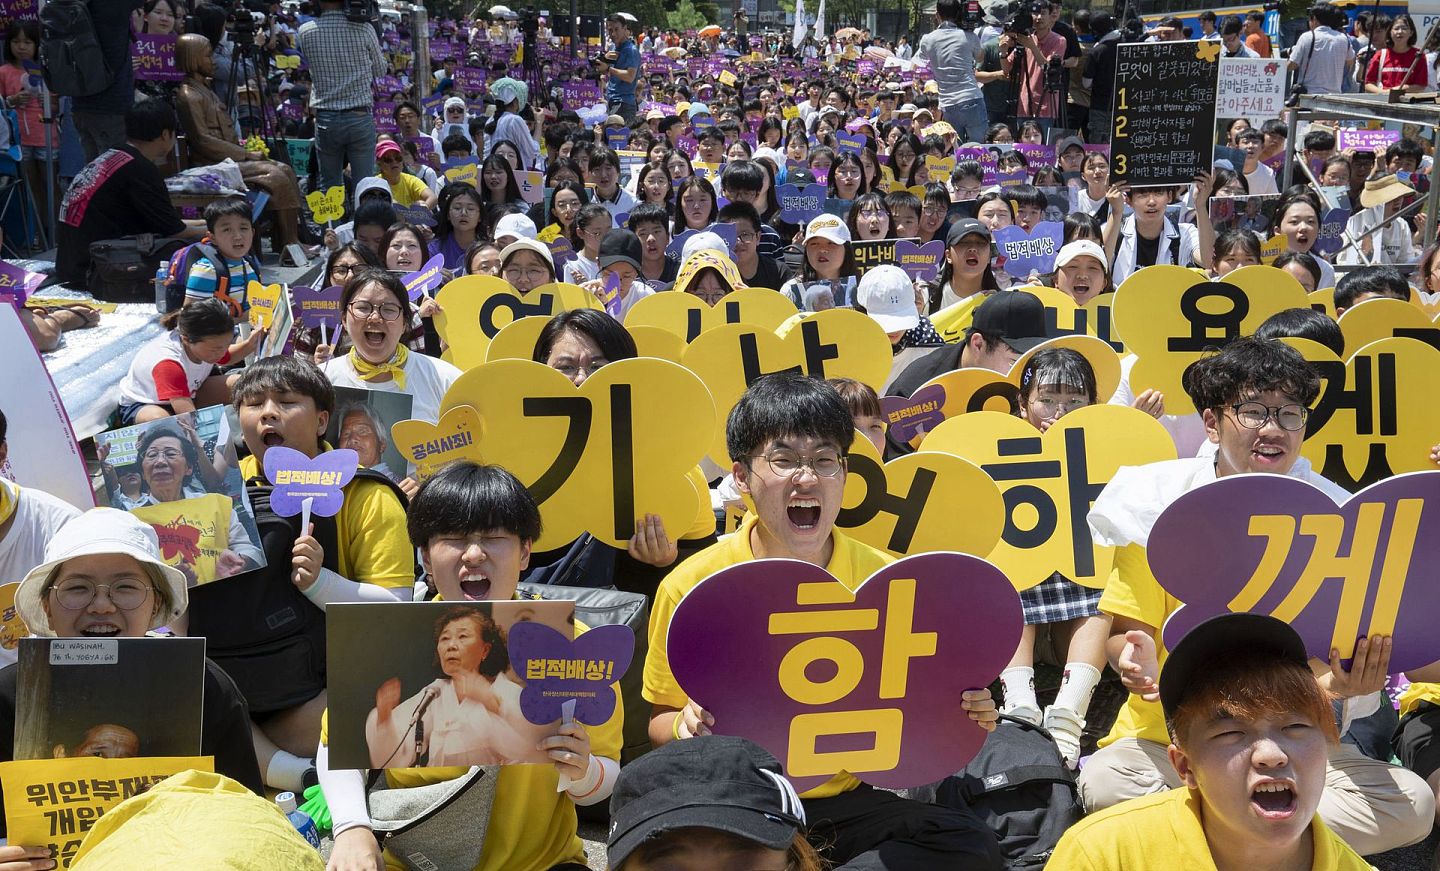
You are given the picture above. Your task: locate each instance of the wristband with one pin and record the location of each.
(675, 725)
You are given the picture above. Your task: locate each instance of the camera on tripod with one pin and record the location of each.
(244, 19)
(361, 11)
(1054, 75)
(1020, 23)
(973, 17)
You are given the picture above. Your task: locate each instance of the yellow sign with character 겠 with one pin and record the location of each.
(597, 457)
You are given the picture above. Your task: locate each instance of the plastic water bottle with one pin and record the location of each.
(161, 275)
(298, 818)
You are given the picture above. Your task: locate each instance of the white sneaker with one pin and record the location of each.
(1028, 713)
(1065, 726)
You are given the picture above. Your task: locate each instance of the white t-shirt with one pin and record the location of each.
(426, 379)
(1262, 180)
(162, 371)
(1126, 510)
(38, 516)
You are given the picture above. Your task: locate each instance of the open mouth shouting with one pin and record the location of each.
(1274, 800)
(804, 513)
(372, 338)
(474, 586)
(1265, 454)
(102, 629)
(271, 438)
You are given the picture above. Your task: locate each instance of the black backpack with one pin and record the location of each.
(1019, 785)
(71, 55)
(258, 626)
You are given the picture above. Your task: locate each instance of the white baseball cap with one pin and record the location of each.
(1081, 248)
(705, 241)
(888, 296)
(516, 226)
(101, 531)
(829, 227)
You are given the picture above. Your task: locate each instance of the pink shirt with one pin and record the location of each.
(1034, 102)
(32, 128)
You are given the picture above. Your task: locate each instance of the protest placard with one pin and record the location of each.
(1381, 318)
(42, 453)
(475, 307)
(319, 306)
(112, 697)
(1051, 479)
(558, 671)
(179, 474)
(890, 711)
(426, 278)
(828, 344)
(1375, 141)
(1251, 88)
(799, 204)
(414, 702)
(595, 457)
(1023, 252)
(1170, 317)
(362, 422)
(431, 445)
(152, 57)
(1164, 116)
(1064, 318)
(687, 316)
(305, 485)
(53, 803)
(1268, 544)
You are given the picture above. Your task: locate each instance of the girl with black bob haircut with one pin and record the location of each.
(464, 497)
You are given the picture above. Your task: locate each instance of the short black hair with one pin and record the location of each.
(1250, 363)
(1207, 15)
(201, 320)
(901, 200)
(743, 176)
(150, 119)
(1027, 195)
(374, 213)
(1307, 261)
(1064, 366)
(457, 142)
(228, 206)
(948, 10)
(1319, 140)
(1405, 147)
(648, 213)
(4, 426)
(787, 404)
(739, 211)
(1373, 280)
(604, 154)
(614, 340)
(283, 375)
(1304, 323)
(466, 497)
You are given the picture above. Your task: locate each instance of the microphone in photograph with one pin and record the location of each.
(431, 693)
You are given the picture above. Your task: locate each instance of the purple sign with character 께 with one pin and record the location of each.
(867, 681)
(1272, 544)
(557, 670)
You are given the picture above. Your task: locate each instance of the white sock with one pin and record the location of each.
(1019, 684)
(1078, 686)
(286, 771)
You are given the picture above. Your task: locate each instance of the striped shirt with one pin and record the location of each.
(202, 281)
(332, 46)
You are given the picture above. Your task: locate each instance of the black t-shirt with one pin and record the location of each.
(666, 278)
(224, 727)
(769, 272)
(112, 30)
(1146, 250)
(119, 193)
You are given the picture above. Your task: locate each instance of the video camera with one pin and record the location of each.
(361, 11)
(1021, 22)
(973, 17)
(244, 18)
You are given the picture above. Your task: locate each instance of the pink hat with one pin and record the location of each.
(384, 147)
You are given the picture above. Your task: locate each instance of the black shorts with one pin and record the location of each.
(1415, 742)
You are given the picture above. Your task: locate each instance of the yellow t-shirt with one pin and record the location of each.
(1165, 831)
(1417, 693)
(193, 532)
(851, 562)
(531, 824)
(408, 191)
(374, 547)
(1133, 592)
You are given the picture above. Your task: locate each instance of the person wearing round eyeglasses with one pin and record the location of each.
(526, 264)
(376, 310)
(103, 578)
(1253, 397)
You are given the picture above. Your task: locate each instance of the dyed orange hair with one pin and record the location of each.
(1251, 687)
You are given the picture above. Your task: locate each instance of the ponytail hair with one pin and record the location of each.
(200, 320)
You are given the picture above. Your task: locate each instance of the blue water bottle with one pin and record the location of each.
(298, 818)
(161, 275)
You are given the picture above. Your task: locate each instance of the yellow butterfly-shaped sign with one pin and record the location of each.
(1208, 50)
(287, 61)
(939, 167)
(727, 78)
(263, 300)
(429, 446)
(327, 206)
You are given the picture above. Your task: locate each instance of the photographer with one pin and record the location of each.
(335, 46)
(621, 66)
(951, 53)
(1323, 55)
(1040, 87)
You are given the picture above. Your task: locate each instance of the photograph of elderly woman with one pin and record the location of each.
(441, 690)
(179, 475)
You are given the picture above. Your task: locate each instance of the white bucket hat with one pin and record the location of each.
(96, 532)
(888, 297)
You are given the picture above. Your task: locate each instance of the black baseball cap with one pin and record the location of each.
(620, 246)
(711, 782)
(1018, 318)
(1219, 637)
(965, 227)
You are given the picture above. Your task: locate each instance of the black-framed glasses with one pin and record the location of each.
(127, 595)
(387, 311)
(1254, 415)
(786, 463)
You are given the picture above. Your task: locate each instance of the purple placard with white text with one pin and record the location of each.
(321, 479)
(152, 57)
(557, 670)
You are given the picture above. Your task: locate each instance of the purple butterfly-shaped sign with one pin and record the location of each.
(798, 205)
(427, 278)
(562, 252)
(317, 307)
(920, 262)
(1030, 252)
(610, 294)
(915, 415)
(557, 670)
(417, 215)
(853, 143)
(297, 478)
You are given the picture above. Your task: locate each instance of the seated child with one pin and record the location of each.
(176, 372)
